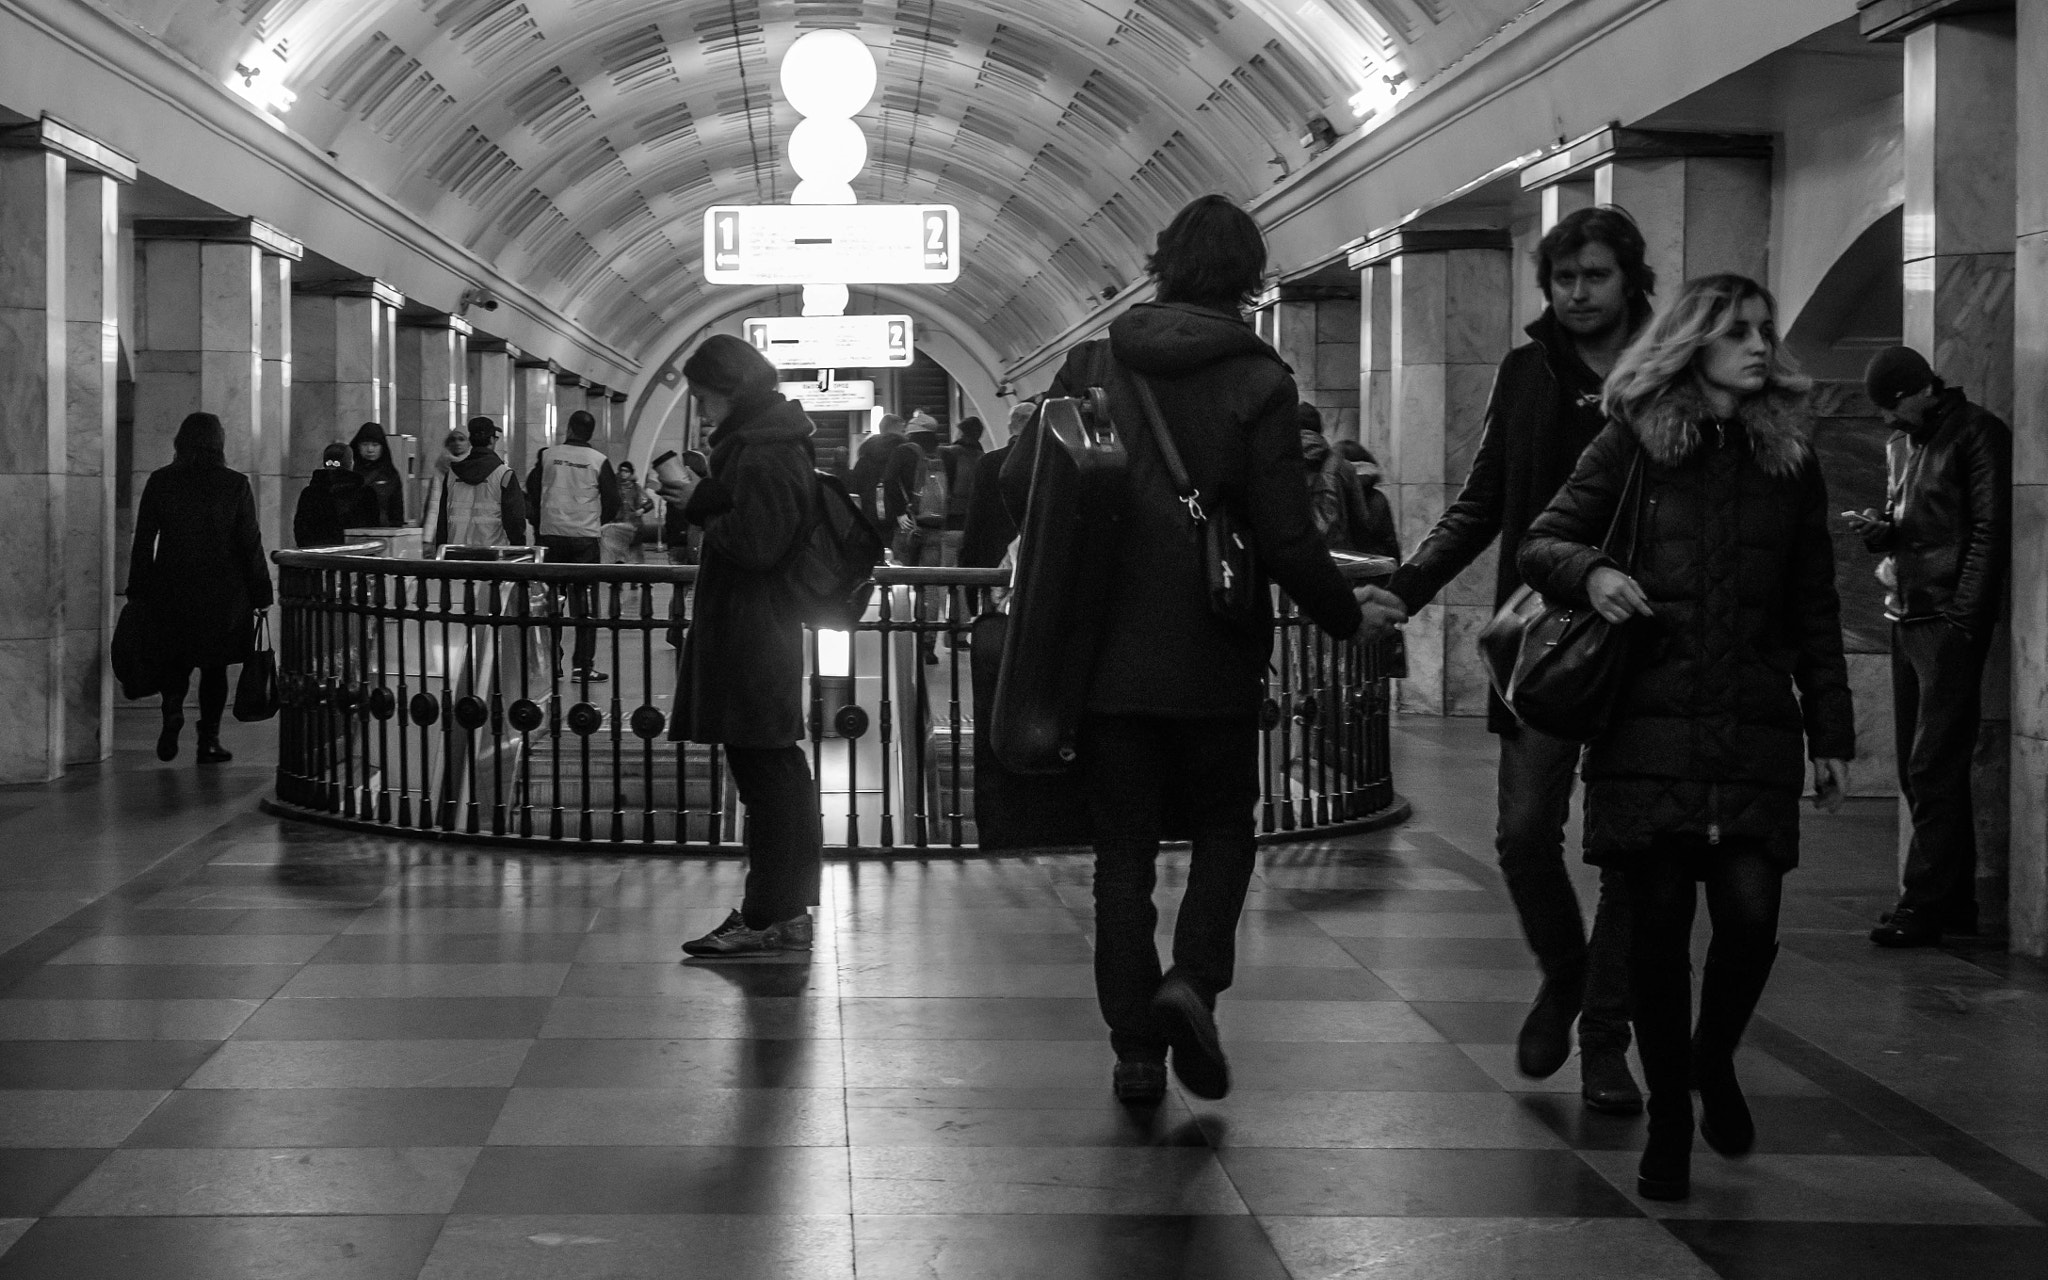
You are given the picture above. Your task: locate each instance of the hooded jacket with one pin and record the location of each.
(1376, 535)
(334, 501)
(385, 481)
(1949, 518)
(481, 518)
(1740, 676)
(1543, 412)
(1335, 496)
(1230, 400)
(740, 678)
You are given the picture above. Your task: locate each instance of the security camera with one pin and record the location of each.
(1321, 135)
(476, 296)
(1004, 391)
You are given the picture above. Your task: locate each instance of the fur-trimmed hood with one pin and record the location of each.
(1777, 423)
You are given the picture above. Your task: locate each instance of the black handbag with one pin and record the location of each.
(256, 688)
(1559, 666)
(133, 648)
(1227, 561)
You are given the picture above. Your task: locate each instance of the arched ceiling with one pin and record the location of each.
(577, 142)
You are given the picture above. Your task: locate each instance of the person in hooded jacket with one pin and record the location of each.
(740, 677)
(871, 462)
(1735, 678)
(334, 501)
(380, 472)
(1334, 494)
(480, 503)
(1373, 530)
(198, 565)
(1171, 710)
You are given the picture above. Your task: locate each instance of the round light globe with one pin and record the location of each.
(814, 192)
(828, 74)
(827, 150)
(825, 299)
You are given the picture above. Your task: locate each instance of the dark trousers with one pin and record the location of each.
(1936, 670)
(213, 694)
(785, 840)
(582, 596)
(1134, 768)
(1537, 773)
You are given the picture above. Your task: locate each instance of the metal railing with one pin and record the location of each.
(435, 698)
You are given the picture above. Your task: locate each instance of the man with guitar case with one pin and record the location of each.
(1159, 706)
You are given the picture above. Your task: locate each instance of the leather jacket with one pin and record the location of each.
(1948, 518)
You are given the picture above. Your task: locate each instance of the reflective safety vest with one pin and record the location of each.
(570, 503)
(476, 512)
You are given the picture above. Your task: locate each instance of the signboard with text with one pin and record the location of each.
(832, 342)
(797, 244)
(851, 396)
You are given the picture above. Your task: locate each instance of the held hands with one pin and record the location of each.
(1830, 784)
(1384, 612)
(1616, 596)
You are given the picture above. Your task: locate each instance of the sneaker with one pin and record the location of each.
(733, 938)
(1190, 1029)
(589, 675)
(1606, 1084)
(1139, 1083)
(793, 934)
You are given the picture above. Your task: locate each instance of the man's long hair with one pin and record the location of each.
(1669, 348)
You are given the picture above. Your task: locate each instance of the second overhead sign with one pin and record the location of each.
(833, 342)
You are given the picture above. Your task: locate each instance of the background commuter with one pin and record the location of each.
(740, 678)
(1335, 497)
(619, 536)
(1377, 535)
(380, 472)
(334, 501)
(990, 530)
(480, 503)
(574, 493)
(1699, 776)
(1544, 410)
(1946, 531)
(869, 463)
(198, 565)
(1171, 707)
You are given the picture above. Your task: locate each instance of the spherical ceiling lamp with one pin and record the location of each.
(825, 299)
(828, 150)
(828, 74)
(812, 191)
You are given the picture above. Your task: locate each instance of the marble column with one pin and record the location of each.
(271, 476)
(533, 412)
(2027, 909)
(568, 399)
(618, 421)
(202, 307)
(93, 331)
(1961, 191)
(433, 378)
(490, 382)
(1449, 325)
(597, 402)
(1315, 327)
(342, 340)
(33, 429)
(1376, 359)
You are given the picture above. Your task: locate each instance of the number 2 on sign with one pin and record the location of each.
(935, 254)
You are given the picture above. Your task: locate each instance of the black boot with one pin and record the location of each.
(1545, 1041)
(167, 741)
(210, 750)
(1729, 990)
(1663, 1021)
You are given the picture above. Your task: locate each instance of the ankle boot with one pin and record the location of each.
(1663, 1018)
(1729, 990)
(210, 750)
(167, 740)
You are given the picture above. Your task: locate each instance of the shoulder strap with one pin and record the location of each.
(1629, 504)
(1162, 435)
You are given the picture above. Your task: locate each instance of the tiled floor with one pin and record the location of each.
(231, 1046)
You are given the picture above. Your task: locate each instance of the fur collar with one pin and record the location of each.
(1776, 422)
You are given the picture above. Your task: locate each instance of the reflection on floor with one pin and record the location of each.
(231, 1046)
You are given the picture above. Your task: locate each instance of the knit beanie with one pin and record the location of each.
(1895, 373)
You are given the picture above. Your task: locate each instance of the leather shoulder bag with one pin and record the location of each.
(1220, 536)
(1559, 666)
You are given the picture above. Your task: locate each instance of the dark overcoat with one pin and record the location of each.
(198, 564)
(1231, 402)
(741, 675)
(1739, 678)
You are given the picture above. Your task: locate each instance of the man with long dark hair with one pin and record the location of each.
(1170, 719)
(1544, 411)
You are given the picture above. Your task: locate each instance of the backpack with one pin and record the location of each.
(830, 569)
(960, 465)
(932, 490)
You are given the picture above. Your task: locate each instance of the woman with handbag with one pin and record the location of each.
(1168, 738)
(198, 566)
(1733, 679)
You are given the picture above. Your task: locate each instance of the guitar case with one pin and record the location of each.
(1061, 591)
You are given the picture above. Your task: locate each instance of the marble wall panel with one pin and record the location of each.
(1376, 317)
(1416, 307)
(1339, 320)
(1465, 683)
(1416, 510)
(1375, 414)
(88, 698)
(1727, 217)
(1653, 192)
(1336, 367)
(2030, 357)
(490, 382)
(1467, 388)
(30, 671)
(1343, 423)
(1422, 693)
(168, 284)
(1875, 771)
(1529, 301)
(2030, 609)
(230, 297)
(31, 576)
(231, 387)
(1418, 424)
(2027, 882)
(1478, 306)
(1961, 122)
(1291, 328)
(31, 382)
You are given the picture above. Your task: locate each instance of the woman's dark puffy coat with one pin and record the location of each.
(334, 501)
(383, 477)
(198, 564)
(1230, 400)
(740, 678)
(1709, 738)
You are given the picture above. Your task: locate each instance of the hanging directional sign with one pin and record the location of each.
(832, 244)
(832, 342)
(831, 396)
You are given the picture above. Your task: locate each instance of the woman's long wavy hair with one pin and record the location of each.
(1668, 349)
